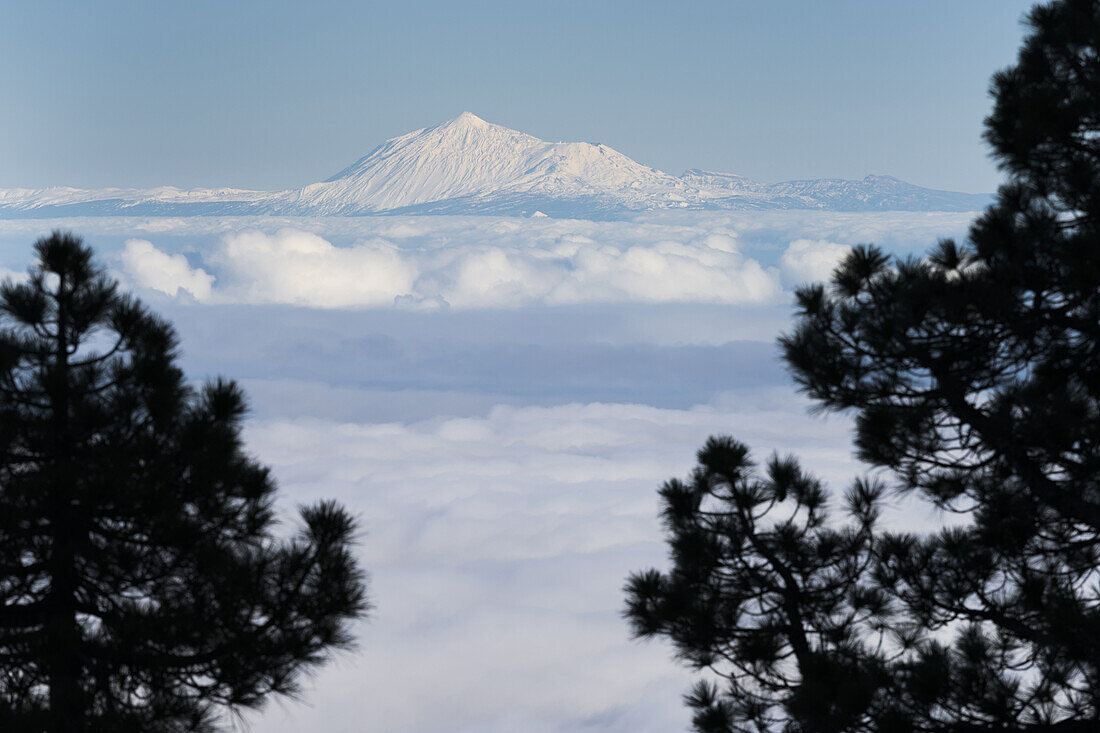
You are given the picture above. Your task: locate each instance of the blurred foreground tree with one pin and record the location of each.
(974, 375)
(141, 582)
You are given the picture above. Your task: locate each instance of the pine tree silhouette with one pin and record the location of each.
(143, 587)
(974, 376)
(768, 593)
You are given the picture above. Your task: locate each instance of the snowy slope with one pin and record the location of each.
(713, 182)
(468, 165)
(467, 158)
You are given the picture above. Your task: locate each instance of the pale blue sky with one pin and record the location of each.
(274, 94)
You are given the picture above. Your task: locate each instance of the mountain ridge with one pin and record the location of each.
(467, 165)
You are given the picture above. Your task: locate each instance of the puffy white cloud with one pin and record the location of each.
(467, 262)
(167, 273)
(666, 272)
(807, 260)
(301, 268)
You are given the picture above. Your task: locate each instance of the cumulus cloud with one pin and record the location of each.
(707, 271)
(301, 268)
(434, 263)
(166, 273)
(503, 268)
(807, 260)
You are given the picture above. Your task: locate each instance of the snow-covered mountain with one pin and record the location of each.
(468, 165)
(468, 158)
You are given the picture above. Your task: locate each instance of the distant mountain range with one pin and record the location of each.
(470, 166)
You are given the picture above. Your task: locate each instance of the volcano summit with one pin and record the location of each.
(469, 166)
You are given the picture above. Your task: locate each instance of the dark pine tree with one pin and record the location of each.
(768, 595)
(143, 586)
(974, 377)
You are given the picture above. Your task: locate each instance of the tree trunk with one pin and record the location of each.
(63, 635)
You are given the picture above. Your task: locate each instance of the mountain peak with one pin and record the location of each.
(467, 120)
(468, 157)
(469, 165)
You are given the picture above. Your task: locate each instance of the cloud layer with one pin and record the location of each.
(498, 400)
(461, 263)
(301, 268)
(499, 544)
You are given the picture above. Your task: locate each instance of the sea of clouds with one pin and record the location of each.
(498, 400)
(452, 262)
